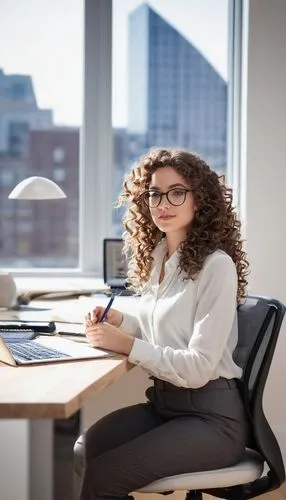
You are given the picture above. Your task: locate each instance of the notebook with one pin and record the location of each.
(30, 350)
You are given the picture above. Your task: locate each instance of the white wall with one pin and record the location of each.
(264, 181)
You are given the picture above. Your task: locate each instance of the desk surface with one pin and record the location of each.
(57, 390)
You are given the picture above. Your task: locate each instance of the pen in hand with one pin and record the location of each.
(105, 312)
(103, 317)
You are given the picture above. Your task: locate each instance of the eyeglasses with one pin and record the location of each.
(175, 197)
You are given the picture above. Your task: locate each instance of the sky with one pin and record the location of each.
(38, 38)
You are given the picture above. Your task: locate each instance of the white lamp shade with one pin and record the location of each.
(37, 188)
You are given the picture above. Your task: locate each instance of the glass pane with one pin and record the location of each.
(170, 81)
(40, 118)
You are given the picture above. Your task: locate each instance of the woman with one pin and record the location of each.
(186, 260)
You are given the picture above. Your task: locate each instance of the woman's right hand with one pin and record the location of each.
(113, 317)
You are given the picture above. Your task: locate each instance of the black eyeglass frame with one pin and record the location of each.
(161, 194)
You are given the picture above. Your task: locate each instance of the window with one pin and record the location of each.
(155, 74)
(41, 79)
(18, 90)
(59, 174)
(170, 81)
(59, 155)
(17, 140)
(6, 177)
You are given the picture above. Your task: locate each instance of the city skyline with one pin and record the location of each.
(177, 99)
(22, 55)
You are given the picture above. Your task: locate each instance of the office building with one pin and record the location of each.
(44, 233)
(176, 98)
(19, 113)
(30, 144)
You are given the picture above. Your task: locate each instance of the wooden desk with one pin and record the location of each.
(30, 398)
(55, 390)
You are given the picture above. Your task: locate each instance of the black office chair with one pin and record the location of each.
(259, 323)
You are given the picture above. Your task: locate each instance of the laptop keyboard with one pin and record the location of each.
(29, 350)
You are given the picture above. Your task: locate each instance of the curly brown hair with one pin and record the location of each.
(215, 225)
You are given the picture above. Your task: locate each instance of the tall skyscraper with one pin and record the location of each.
(19, 113)
(176, 98)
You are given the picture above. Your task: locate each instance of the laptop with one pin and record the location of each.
(115, 266)
(31, 349)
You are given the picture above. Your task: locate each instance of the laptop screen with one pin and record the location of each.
(114, 262)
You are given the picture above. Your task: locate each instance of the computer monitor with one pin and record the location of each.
(114, 263)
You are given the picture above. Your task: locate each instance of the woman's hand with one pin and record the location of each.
(113, 317)
(107, 336)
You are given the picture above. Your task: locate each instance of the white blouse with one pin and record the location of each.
(186, 330)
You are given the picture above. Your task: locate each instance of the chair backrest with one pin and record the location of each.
(259, 323)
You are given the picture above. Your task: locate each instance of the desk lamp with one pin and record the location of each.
(33, 188)
(37, 188)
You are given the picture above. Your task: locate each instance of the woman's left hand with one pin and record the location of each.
(109, 337)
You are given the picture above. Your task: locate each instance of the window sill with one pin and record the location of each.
(54, 284)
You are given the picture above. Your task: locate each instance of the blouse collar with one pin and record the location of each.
(158, 255)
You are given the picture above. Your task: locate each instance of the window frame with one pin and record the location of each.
(235, 37)
(96, 138)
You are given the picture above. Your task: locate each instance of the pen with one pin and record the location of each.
(72, 334)
(105, 312)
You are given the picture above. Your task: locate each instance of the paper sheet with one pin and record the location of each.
(74, 311)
